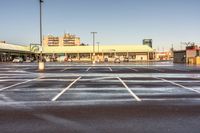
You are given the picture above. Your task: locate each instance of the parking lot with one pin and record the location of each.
(159, 97)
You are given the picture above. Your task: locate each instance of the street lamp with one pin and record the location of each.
(93, 33)
(41, 66)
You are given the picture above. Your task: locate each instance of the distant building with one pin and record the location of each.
(189, 56)
(163, 56)
(66, 40)
(69, 48)
(9, 51)
(148, 42)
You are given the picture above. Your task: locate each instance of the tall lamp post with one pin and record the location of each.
(93, 33)
(41, 66)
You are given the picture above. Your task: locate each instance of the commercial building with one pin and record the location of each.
(68, 47)
(65, 40)
(110, 52)
(9, 51)
(191, 55)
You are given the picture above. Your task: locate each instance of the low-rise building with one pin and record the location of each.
(110, 52)
(66, 40)
(9, 51)
(190, 55)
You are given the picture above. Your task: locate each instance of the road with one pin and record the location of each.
(104, 98)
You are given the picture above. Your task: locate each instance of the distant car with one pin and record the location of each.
(18, 60)
(126, 59)
(117, 60)
(61, 58)
(29, 60)
(69, 60)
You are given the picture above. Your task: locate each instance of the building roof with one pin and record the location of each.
(13, 47)
(102, 48)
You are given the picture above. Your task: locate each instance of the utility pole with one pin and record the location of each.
(93, 33)
(41, 66)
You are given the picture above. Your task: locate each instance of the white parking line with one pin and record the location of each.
(88, 69)
(133, 69)
(133, 94)
(2, 89)
(65, 69)
(110, 69)
(3, 77)
(64, 90)
(179, 85)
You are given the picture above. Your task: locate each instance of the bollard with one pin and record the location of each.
(41, 66)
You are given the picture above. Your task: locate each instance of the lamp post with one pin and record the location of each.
(93, 33)
(41, 66)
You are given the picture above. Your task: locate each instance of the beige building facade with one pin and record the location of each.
(102, 52)
(65, 40)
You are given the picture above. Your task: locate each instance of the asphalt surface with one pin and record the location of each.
(102, 98)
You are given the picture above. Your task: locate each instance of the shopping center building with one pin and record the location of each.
(9, 51)
(68, 47)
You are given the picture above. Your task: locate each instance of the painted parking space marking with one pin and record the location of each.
(65, 69)
(129, 90)
(179, 85)
(64, 90)
(134, 69)
(8, 87)
(88, 69)
(110, 69)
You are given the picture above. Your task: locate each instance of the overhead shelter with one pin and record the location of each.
(9, 51)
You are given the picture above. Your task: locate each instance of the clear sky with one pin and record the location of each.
(167, 22)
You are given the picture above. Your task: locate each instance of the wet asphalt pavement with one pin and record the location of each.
(103, 98)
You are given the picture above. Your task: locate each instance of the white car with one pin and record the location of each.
(18, 60)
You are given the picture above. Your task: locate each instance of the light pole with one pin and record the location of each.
(93, 33)
(41, 66)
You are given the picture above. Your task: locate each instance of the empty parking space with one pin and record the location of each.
(151, 88)
(97, 89)
(98, 83)
(39, 89)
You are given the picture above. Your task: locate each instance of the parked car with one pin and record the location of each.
(69, 60)
(18, 60)
(117, 60)
(29, 60)
(61, 58)
(126, 59)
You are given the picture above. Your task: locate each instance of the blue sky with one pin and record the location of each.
(167, 22)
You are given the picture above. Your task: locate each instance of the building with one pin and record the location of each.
(55, 48)
(66, 40)
(102, 52)
(9, 51)
(148, 42)
(190, 55)
(180, 56)
(164, 56)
